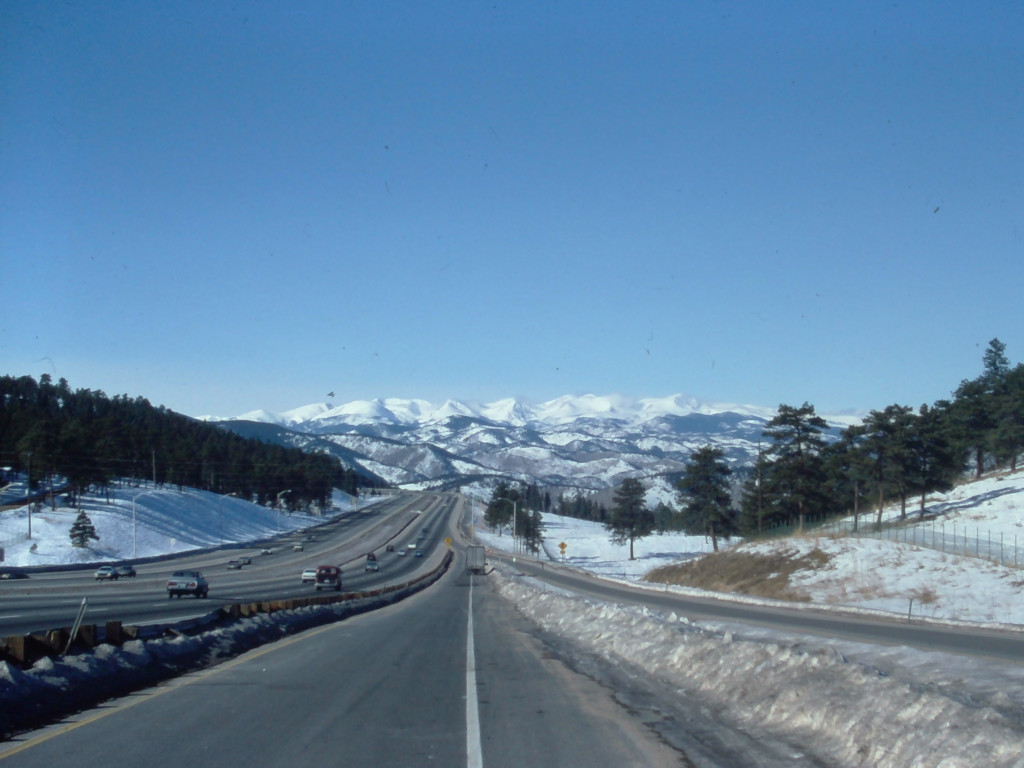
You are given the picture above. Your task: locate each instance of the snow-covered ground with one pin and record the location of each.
(882, 574)
(832, 702)
(143, 522)
(828, 702)
(835, 702)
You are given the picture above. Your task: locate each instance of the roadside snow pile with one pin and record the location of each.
(55, 687)
(58, 686)
(808, 692)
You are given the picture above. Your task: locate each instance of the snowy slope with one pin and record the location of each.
(165, 521)
(870, 573)
(827, 702)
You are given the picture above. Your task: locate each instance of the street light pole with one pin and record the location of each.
(278, 505)
(220, 516)
(28, 493)
(515, 529)
(135, 540)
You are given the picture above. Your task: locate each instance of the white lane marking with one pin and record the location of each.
(474, 754)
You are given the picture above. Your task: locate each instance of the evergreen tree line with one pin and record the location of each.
(518, 509)
(895, 454)
(88, 440)
(808, 473)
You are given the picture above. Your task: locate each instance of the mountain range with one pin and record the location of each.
(585, 442)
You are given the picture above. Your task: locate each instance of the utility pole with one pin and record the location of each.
(28, 493)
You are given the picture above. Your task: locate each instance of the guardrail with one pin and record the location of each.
(26, 650)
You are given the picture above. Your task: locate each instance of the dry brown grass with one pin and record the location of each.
(760, 575)
(925, 595)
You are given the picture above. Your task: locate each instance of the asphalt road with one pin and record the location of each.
(996, 644)
(403, 686)
(51, 600)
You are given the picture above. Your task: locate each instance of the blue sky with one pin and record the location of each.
(230, 206)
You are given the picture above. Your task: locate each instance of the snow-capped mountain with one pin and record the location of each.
(587, 441)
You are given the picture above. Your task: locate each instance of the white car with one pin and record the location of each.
(309, 576)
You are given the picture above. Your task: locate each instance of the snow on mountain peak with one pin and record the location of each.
(509, 411)
(261, 415)
(570, 408)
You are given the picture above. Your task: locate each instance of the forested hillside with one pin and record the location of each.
(807, 472)
(896, 453)
(89, 440)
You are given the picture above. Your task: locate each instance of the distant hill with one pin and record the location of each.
(586, 442)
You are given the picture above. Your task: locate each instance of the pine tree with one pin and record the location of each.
(82, 530)
(630, 520)
(848, 469)
(935, 462)
(502, 507)
(797, 468)
(1008, 435)
(879, 441)
(705, 498)
(997, 367)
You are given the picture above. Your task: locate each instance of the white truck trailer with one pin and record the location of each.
(476, 559)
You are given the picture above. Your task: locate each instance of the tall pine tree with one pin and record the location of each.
(705, 497)
(630, 519)
(797, 467)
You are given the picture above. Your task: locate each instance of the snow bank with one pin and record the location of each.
(55, 687)
(844, 711)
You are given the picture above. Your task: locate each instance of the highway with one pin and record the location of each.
(453, 676)
(51, 600)
(414, 684)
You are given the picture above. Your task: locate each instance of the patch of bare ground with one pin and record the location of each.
(759, 575)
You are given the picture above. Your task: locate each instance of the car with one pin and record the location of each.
(371, 562)
(389, 548)
(245, 560)
(188, 583)
(267, 551)
(327, 577)
(418, 553)
(297, 547)
(400, 553)
(234, 565)
(125, 571)
(410, 547)
(309, 576)
(106, 573)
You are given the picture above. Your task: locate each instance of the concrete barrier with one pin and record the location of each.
(26, 650)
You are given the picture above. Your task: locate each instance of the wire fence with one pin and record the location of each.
(951, 538)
